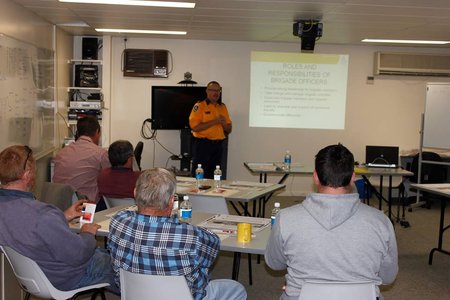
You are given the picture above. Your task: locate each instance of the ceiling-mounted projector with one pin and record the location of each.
(309, 31)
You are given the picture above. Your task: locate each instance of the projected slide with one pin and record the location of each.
(297, 90)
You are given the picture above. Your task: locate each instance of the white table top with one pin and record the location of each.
(228, 242)
(362, 170)
(232, 190)
(276, 168)
(442, 189)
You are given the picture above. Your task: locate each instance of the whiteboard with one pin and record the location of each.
(436, 127)
(27, 104)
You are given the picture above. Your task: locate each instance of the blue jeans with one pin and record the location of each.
(99, 270)
(225, 289)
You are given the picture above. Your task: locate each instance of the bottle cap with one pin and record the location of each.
(199, 165)
(217, 167)
(185, 197)
(277, 204)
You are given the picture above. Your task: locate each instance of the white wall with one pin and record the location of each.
(386, 112)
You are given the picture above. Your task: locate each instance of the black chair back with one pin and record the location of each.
(138, 153)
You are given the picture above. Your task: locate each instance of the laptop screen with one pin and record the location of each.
(382, 156)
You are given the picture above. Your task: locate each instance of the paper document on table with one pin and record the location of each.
(225, 192)
(185, 179)
(104, 225)
(262, 166)
(131, 207)
(228, 223)
(281, 166)
(249, 184)
(361, 170)
(183, 189)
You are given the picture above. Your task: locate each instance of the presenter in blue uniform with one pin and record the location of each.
(210, 124)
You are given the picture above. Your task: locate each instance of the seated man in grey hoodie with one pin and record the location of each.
(332, 236)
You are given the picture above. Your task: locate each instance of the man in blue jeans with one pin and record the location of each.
(150, 241)
(41, 231)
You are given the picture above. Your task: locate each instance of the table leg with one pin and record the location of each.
(235, 208)
(250, 273)
(390, 198)
(441, 233)
(377, 193)
(283, 179)
(236, 263)
(380, 203)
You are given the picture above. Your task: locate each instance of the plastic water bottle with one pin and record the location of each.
(274, 214)
(217, 177)
(287, 160)
(185, 210)
(199, 174)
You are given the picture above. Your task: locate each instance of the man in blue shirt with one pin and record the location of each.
(149, 241)
(41, 231)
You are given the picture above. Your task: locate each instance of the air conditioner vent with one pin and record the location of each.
(412, 64)
(145, 63)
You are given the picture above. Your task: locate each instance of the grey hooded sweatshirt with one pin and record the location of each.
(332, 238)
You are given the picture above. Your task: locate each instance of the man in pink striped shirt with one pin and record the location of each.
(80, 163)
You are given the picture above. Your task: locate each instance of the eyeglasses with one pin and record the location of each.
(214, 90)
(29, 153)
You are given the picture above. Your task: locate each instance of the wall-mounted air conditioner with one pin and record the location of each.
(145, 63)
(411, 64)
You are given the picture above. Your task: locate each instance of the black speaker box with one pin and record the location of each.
(86, 76)
(89, 48)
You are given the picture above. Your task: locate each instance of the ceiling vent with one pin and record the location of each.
(145, 63)
(411, 64)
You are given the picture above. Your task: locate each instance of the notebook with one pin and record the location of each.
(382, 156)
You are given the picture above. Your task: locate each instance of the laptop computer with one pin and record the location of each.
(382, 156)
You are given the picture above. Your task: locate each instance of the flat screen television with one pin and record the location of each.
(172, 105)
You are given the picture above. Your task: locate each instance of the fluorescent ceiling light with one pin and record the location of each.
(136, 3)
(74, 24)
(141, 31)
(406, 41)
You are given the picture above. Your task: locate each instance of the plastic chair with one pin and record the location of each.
(33, 280)
(138, 153)
(134, 286)
(113, 202)
(333, 290)
(59, 194)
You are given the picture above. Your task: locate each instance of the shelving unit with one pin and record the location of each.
(86, 95)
